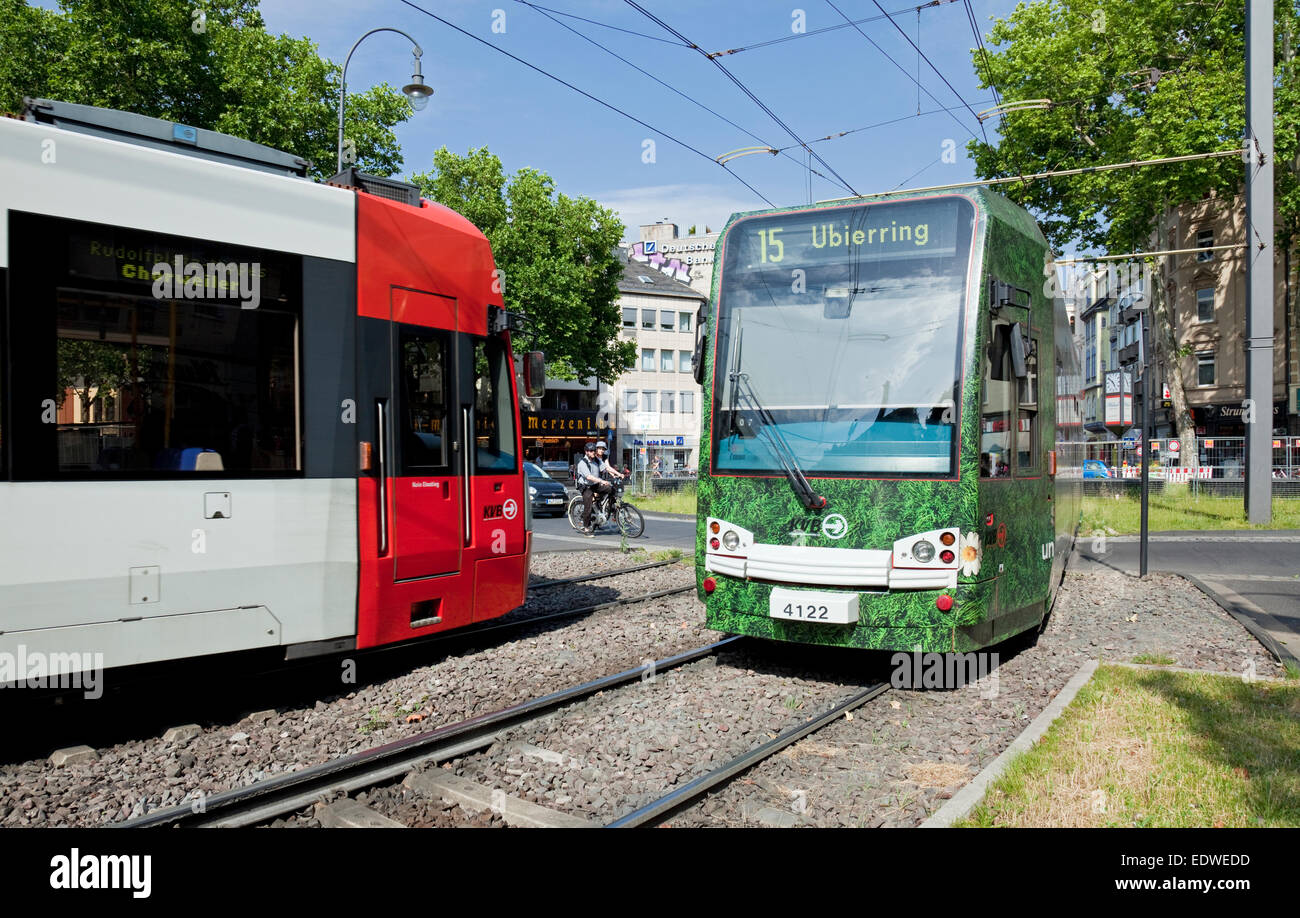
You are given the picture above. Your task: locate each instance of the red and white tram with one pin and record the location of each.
(240, 409)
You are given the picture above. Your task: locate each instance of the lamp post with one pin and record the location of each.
(417, 90)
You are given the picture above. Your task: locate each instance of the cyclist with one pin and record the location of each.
(590, 483)
(607, 468)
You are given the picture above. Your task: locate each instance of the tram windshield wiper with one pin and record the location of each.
(761, 420)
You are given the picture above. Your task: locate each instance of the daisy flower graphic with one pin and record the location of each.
(970, 554)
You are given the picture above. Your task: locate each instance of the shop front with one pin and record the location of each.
(552, 436)
(1229, 420)
(667, 456)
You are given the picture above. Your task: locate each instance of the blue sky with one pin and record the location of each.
(818, 84)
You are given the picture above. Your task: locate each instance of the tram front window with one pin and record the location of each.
(844, 324)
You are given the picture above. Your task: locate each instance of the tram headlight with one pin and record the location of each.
(923, 551)
(730, 540)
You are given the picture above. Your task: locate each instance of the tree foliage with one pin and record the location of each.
(223, 72)
(1127, 81)
(558, 255)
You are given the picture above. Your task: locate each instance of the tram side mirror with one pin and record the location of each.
(1018, 352)
(534, 374)
(701, 338)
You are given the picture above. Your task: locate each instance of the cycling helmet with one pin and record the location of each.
(589, 448)
(602, 445)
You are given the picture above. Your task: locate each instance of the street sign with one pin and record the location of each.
(1174, 446)
(1128, 442)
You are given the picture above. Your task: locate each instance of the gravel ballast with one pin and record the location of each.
(894, 762)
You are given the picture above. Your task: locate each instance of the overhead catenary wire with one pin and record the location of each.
(879, 124)
(1132, 164)
(743, 88)
(901, 68)
(588, 95)
(930, 64)
(823, 29)
(547, 13)
(1130, 255)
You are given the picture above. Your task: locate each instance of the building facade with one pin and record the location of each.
(658, 400)
(688, 259)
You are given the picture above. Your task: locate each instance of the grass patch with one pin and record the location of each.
(1154, 659)
(1159, 748)
(667, 554)
(680, 501)
(1177, 508)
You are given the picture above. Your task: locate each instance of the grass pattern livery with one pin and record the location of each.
(880, 466)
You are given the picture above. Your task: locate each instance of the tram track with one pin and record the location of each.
(286, 794)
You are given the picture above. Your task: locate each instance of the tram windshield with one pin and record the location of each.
(845, 325)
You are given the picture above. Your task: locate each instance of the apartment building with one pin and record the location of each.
(658, 399)
(1208, 291)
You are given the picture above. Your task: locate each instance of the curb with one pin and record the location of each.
(966, 799)
(1248, 615)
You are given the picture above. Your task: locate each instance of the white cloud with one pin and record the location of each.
(683, 204)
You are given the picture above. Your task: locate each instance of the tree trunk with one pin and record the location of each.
(1166, 346)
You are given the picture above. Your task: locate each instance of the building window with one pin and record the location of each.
(629, 318)
(648, 318)
(1205, 368)
(629, 400)
(648, 359)
(666, 361)
(684, 321)
(688, 403)
(666, 318)
(669, 400)
(683, 361)
(649, 398)
(1205, 240)
(1205, 304)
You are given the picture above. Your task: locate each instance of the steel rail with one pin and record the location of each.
(287, 793)
(543, 584)
(655, 812)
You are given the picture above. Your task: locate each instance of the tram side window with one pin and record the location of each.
(1027, 416)
(494, 424)
(158, 356)
(999, 387)
(424, 398)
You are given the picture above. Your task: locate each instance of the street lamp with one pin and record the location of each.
(416, 90)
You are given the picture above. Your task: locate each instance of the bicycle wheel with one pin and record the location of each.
(575, 512)
(630, 521)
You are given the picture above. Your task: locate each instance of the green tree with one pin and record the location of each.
(1130, 81)
(96, 371)
(222, 71)
(558, 256)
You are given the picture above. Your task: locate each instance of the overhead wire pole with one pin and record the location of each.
(742, 87)
(1259, 263)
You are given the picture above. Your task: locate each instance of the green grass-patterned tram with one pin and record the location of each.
(888, 452)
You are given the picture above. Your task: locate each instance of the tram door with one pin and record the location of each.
(429, 490)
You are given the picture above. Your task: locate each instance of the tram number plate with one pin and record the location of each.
(806, 606)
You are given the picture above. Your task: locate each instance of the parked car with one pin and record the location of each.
(545, 493)
(1095, 468)
(558, 469)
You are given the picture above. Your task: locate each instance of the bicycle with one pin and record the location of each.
(610, 509)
